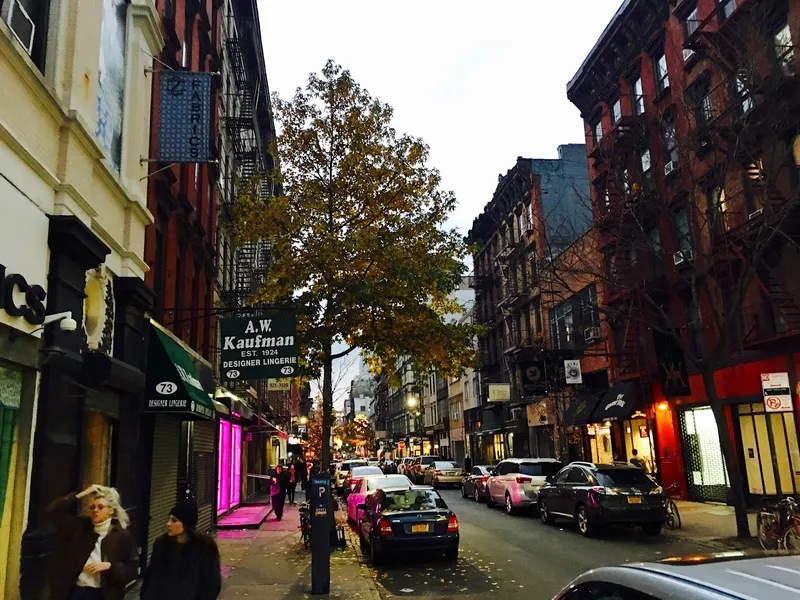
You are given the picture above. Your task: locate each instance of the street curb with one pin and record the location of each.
(356, 545)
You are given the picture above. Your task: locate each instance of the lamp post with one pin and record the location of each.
(412, 411)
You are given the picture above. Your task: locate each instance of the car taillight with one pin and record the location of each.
(484, 479)
(384, 527)
(452, 524)
(437, 472)
(524, 480)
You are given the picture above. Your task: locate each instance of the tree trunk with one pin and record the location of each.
(731, 462)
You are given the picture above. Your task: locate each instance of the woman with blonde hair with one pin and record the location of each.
(95, 555)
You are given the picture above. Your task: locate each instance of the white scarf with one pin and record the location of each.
(85, 579)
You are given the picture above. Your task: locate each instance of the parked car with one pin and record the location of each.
(373, 461)
(443, 472)
(403, 520)
(595, 495)
(367, 485)
(357, 473)
(418, 468)
(726, 576)
(515, 482)
(473, 484)
(344, 470)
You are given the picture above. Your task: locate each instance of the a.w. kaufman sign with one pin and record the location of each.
(262, 347)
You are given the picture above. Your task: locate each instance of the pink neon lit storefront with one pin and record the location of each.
(229, 466)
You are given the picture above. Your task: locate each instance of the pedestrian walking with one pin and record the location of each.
(291, 484)
(95, 555)
(278, 491)
(185, 563)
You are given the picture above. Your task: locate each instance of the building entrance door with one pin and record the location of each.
(759, 469)
(706, 477)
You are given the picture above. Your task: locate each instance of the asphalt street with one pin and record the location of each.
(516, 557)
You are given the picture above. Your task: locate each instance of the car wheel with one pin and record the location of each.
(489, 501)
(463, 491)
(544, 513)
(451, 553)
(476, 494)
(509, 505)
(652, 528)
(585, 526)
(375, 557)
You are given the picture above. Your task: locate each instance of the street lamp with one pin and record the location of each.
(412, 401)
(303, 420)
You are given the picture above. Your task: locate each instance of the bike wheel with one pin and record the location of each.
(675, 515)
(791, 541)
(769, 534)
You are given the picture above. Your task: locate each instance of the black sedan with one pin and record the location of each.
(474, 484)
(595, 495)
(408, 519)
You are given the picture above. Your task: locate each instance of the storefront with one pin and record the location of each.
(229, 466)
(178, 395)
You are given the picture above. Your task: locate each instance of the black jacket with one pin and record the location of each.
(76, 540)
(189, 571)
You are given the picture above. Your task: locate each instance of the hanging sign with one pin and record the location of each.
(279, 385)
(184, 117)
(572, 371)
(777, 392)
(534, 382)
(262, 347)
(499, 392)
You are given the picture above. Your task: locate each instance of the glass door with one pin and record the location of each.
(224, 467)
(706, 476)
(236, 465)
(758, 460)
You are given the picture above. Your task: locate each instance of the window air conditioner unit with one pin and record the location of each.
(755, 214)
(670, 168)
(21, 25)
(687, 54)
(591, 334)
(682, 256)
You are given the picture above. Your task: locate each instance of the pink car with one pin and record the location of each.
(367, 485)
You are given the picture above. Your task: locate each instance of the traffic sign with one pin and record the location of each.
(777, 392)
(401, 445)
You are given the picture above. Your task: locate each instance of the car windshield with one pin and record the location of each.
(542, 469)
(485, 469)
(353, 465)
(622, 477)
(388, 482)
(446, 465)
(411, 500)
(426, 460)
(362, 471)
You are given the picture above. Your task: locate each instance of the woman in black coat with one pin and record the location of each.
(185, 563)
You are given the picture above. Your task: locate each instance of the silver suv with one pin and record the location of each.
(516, 481)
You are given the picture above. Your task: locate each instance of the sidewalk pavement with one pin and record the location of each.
(711, 525)
(271, 563)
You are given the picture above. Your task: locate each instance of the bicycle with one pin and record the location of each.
(305, 524)
(778, 525)
(673, 514)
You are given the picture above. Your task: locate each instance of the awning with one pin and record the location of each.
(174, 378)
(618, 402)
(580, 409)
(221, 408)
(236, 405)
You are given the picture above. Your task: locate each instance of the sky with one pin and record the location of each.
(480, 85)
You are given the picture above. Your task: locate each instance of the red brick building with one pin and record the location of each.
(691, 116)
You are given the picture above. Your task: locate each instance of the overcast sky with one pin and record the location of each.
(481, 83)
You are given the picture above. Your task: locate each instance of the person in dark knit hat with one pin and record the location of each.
(185, 563)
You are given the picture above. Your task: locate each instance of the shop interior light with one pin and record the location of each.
(663, 406)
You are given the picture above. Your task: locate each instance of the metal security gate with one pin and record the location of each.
(706, 476)
(163, 475)
(204, 472)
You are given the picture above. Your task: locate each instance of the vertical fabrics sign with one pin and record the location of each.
(184, 118)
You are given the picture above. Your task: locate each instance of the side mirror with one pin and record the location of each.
(549, 479)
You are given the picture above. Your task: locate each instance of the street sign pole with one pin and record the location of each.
(320, 534)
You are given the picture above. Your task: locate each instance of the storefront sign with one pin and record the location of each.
(674, 378)
(777, 392)
(572, 372)
(20, 299)
(262, 347)
(534, 381)
(499, 392)
(184, 117)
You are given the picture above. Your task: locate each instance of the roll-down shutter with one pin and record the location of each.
(164, 475)
(204, 472)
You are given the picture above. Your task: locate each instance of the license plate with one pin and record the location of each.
(450, 473)
(634, 500)
(421, 528)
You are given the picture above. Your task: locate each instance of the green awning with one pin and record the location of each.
(175, 379)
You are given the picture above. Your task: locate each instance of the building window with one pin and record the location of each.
(700, 99)
(690, 25)
(728, 6)
(670, 139)
(720, 207)
(529, 215)
(590, 317)
(682, 230)
(561, 326)
(647, 171)
(597, 130)
(536, 312)
(625, 181)
(28, 21)
(660, 70)
(520, 226)
(616, 109)
(111, 80)
(743, 93)
(784, 50)
(638, 96)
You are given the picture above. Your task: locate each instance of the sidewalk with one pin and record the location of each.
(711, 525)
(271, 563)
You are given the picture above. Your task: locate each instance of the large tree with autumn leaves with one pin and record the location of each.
(359, 236)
